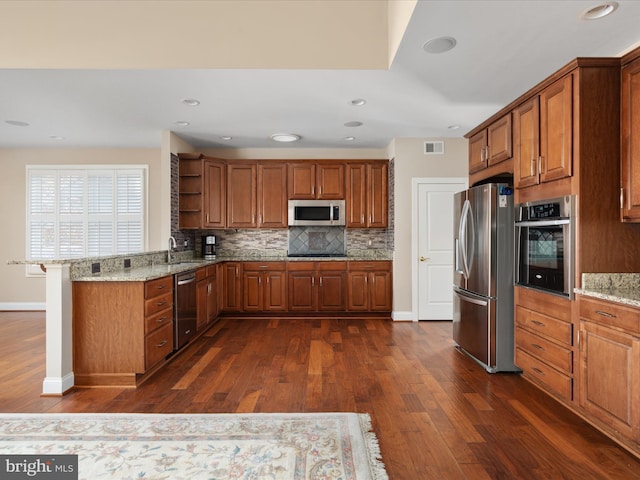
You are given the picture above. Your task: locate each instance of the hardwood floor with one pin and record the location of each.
(436, 413)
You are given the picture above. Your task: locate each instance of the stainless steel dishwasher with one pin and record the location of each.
(185, 309)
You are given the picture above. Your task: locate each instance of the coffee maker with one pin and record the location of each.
(209, 246)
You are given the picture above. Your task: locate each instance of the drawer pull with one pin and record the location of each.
(161, 319)
(161, 303)
(605, 314)
(187, 332)
(538, 371)
(535, 345)
(162, 343)
(536, 322)
(160, 287)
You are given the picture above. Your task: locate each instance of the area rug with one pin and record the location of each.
(202, 446)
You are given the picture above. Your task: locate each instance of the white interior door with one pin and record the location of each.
(435, 247)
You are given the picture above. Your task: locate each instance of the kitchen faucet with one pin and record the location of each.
(172, 244)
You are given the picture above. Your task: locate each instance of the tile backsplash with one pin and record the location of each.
(317, 240)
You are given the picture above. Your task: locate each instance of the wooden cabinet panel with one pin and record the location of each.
(215, 195)
(630, 145)
(556, 130)
(311, 180)
(549, 327)
(231, 285)
(491, 145)
(159, 286)
(275, 292)
(272, 195)
(541, 373)
(207, 296)
(367, 195)
(500, 140)
(302, 294)
(252, 291)
(332, 291)
(158, 345)
(377, 195)
(526, 121)
(370, 286)
(610, 377)
(477, 151)
(356, 196)
(242, 199)
(559, 357)
(330, 182)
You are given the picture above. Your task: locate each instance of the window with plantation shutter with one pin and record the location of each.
(85, 211)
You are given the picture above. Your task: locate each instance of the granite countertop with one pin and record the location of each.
(622, 288)
(152, 265)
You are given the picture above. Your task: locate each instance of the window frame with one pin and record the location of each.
(85, 169)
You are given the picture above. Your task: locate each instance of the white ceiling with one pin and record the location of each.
(503, 49)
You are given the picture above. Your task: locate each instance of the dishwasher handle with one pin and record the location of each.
(186, 278)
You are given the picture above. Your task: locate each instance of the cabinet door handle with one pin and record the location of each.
(540, 159)
(621, 198)
(605, 314)
(162, 344)
(187, 332)
(160, 287)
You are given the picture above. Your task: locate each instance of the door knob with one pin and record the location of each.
(423, 259)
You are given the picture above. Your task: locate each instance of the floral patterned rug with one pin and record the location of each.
(202, 446)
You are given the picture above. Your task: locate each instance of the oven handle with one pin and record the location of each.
(543, 223)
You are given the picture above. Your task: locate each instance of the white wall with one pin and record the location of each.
(410, 162)
(16, 290)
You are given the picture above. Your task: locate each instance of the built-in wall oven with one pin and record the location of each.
(544, 244)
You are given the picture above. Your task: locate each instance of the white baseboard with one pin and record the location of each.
(403, 317)
(58, 385)
(10, 306)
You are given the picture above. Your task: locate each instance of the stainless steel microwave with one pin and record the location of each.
(316, 213)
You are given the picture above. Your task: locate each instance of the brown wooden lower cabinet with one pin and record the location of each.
(207, 296)
(264, 287)
(317, 286)
(121, 330)
(369, 286)
(231, 287)
(544, 341)
(610, 365)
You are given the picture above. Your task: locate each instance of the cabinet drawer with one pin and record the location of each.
(332, 265)
(156, 287)
(379, 266)
(610, 314)
(258, 266)
(559, 357)
(211, 270)
(542, 373)
(544, 325)
(158, 320)
(156, 304)
(158, 345)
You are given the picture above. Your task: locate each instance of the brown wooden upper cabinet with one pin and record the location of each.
(242, 195)
(367, 195)
(543, 133)
(272, 195)
(491, 145)
(311, 180)
(630, 147)
(201, 192)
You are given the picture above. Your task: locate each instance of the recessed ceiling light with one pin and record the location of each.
(182, 123)
(349, 139)
(17, 123)
(191, 102)
(599, 11)
(439, 45)
(358, 102)
(56, 137)
(226, 137)
(453, 127)
(353, 124)
(285, 137)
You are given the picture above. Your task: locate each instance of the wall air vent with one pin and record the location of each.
(434, 148)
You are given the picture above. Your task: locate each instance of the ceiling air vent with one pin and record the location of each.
(434, 148)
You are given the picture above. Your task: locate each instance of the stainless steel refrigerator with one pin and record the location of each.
(483, 325)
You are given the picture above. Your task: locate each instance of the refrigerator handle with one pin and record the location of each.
(466, 298)
(462, 234)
